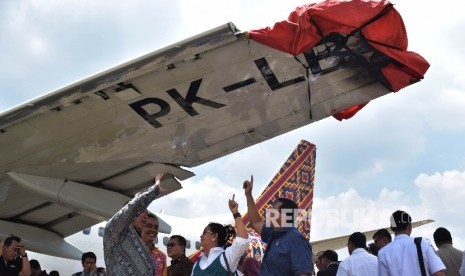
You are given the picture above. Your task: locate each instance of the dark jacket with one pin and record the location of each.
(331, 270)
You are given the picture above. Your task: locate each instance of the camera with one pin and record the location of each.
(372, 249)
(16, 265)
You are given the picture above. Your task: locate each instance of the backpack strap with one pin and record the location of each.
(417, 241)
(227, 264)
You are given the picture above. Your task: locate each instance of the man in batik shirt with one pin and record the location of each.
(124, 251)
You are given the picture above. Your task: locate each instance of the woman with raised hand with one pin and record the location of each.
(218, 256)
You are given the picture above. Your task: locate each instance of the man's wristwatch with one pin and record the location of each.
(24, 255)
(237, 215)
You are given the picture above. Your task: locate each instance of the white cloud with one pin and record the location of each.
(442, 194)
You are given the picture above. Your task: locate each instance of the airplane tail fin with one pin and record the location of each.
(294, 180)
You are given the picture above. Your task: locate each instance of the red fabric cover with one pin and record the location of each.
(387, 34)
(349, 112)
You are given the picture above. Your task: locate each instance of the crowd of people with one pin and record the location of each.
(130, 234)
(403, 255)
(14, 261)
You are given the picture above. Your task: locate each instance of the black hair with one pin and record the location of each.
(330, 255)
(319, 254)
(442, 235)
(382, 233)
(181, 240)
(152, 215)
(88, 255)
(9, 240)
(224, 232)
(358, 239)
(34, 264)
(400, 220)
(289, 206)
(143, 210)
(54, 273)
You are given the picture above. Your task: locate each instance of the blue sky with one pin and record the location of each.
(402, 151)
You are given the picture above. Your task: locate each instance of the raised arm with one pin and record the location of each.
(121, 221)
(26, 268)
(255, 220)
(234, 253)
(240, 227)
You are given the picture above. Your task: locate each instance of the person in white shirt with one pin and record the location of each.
(360, 262)
(400, 257)
(215, 259)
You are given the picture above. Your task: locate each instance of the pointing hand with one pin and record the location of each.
(233, 206)
(248, 186)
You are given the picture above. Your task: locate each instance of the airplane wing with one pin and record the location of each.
(341, 241)
(71, 158)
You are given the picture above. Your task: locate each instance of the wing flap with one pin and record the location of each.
(98, 203)
(45, 214)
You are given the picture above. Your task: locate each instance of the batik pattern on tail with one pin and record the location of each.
(294, 180)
